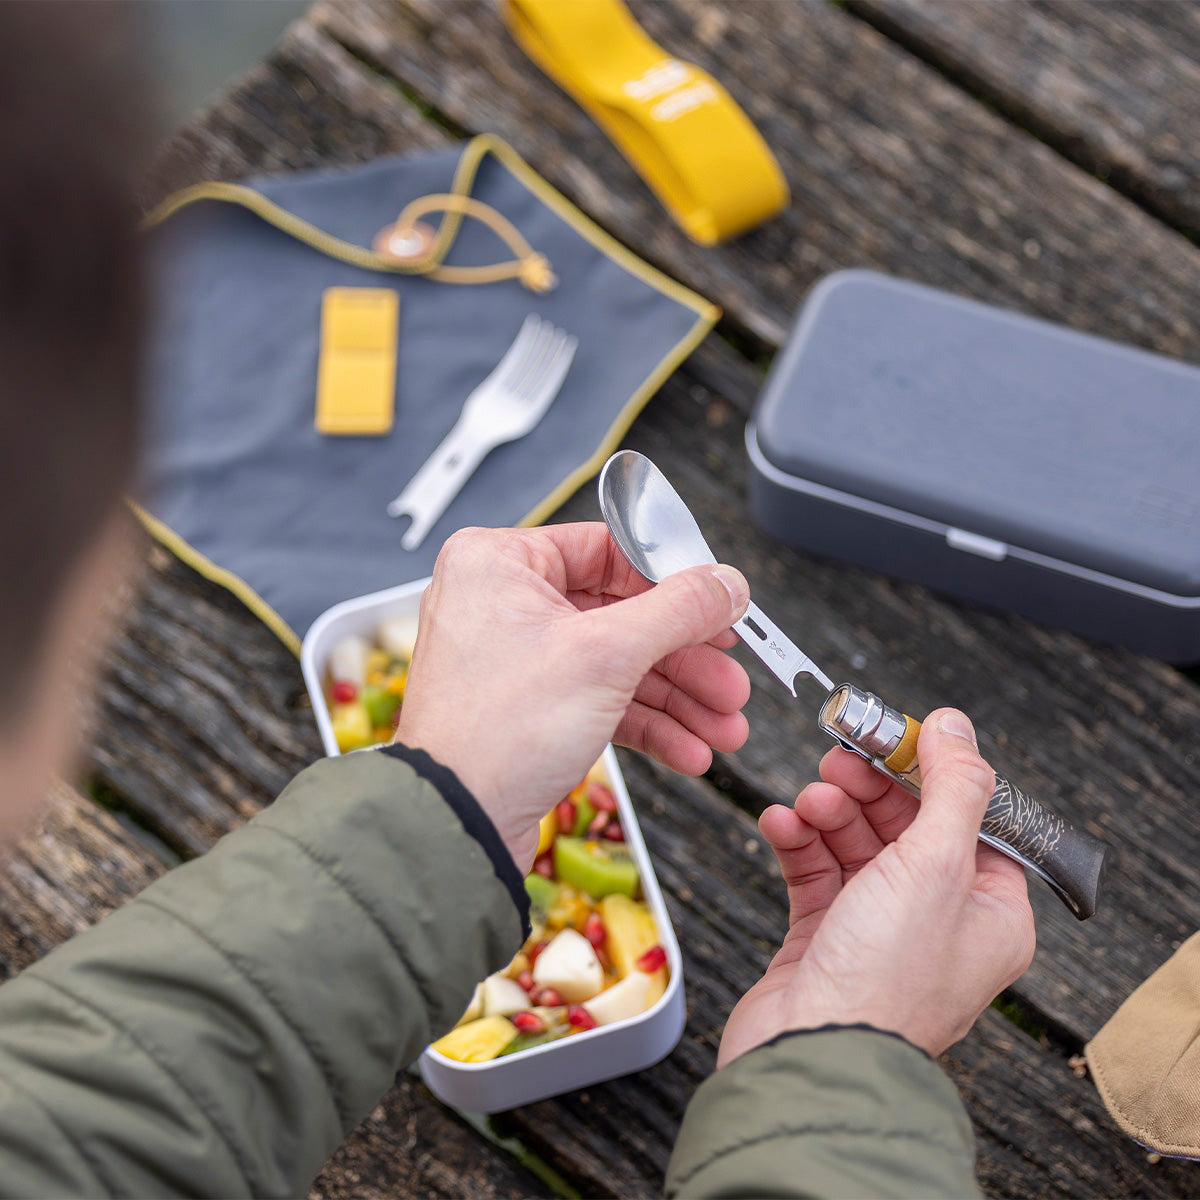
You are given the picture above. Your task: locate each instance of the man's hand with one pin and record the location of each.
(899, 917)
(536, 647)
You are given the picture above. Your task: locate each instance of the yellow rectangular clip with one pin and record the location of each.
(356, 373)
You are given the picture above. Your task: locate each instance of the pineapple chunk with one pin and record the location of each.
(351, 726)
(630, 929)
(477, 1041)
(546, 831)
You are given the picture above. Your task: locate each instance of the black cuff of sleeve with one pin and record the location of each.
(474, 820)
(833, 1027)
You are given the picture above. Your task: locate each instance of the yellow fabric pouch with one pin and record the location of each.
(681, 130)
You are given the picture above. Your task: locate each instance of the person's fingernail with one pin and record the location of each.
(958, 725)
(736, 585)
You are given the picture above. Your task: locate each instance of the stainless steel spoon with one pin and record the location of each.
(658, 534)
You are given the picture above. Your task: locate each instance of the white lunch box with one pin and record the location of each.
(575, 1061)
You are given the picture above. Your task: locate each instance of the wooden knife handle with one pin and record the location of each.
(1069, 859)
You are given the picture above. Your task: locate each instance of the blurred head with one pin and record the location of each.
(70, 315)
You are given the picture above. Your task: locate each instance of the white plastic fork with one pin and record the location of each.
(505, 406)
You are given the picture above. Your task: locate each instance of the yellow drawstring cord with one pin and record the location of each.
(528, 266)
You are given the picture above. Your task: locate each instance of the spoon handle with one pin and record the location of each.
(781, 655)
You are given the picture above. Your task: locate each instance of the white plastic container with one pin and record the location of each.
(576, 1061)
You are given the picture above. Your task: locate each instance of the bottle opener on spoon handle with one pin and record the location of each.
(782, 656)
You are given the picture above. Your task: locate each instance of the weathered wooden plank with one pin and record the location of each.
(76, 863)
(411, 1146)
(890, 166)
(213, 701)
(71, 866)
(1043, 1132)
(1111, 86)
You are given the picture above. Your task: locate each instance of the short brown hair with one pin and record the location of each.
(70, 304)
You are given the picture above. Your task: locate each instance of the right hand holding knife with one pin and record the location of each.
(898, 919)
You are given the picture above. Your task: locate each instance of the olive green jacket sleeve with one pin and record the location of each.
(840, 1112)
(222, 1033)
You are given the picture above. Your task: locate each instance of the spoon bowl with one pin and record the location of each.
(657, 533)
(649, 522)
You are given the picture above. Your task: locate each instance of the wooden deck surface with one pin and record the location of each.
(1041, 156)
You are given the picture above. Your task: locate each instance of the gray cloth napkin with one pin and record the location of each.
(239, 482)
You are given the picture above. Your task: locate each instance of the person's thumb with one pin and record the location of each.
(685, 609)
(956, 785)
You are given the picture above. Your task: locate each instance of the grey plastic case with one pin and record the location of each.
(996, 457)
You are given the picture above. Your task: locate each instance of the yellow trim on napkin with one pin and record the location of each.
(473, 154)
(205, 566)
(681, 130)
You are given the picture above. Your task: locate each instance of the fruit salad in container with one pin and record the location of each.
(593, 956)
(365, 683)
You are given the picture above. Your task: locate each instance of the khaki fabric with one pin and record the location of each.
(1146, 1059)
(846, 1112)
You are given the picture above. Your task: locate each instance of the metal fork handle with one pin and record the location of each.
(430, 491)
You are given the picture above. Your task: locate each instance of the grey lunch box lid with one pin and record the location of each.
(997, 457)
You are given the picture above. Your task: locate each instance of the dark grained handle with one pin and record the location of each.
(1068, 859)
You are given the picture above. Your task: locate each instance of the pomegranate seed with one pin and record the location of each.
(544, 865)
(614, 832)
(601, 797)
(343, 693)
(593, 929)
(578, 1017)
(525, 979)
(536, 951)
(548, 998)
(654, 958)
(598, 822)
(564, 812)
(527, 1022)
(602, 958)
